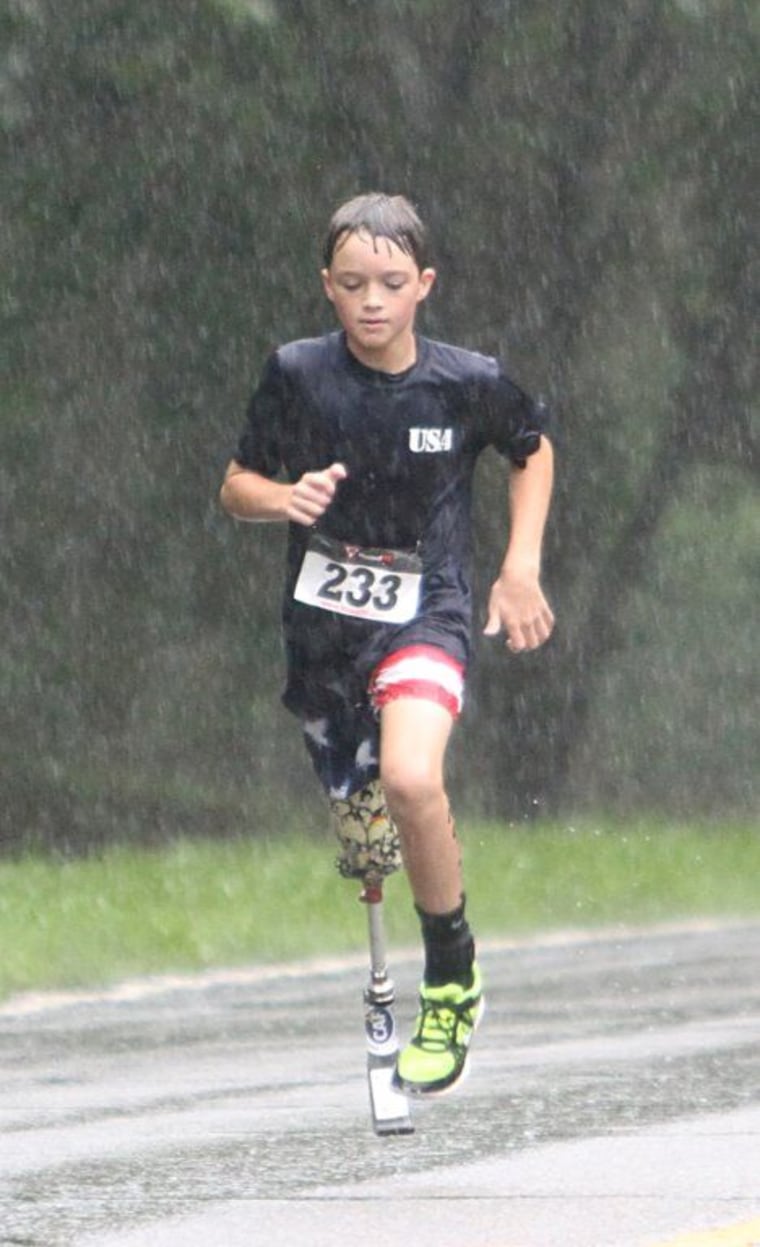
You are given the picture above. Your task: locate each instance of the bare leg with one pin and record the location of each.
(414, 734)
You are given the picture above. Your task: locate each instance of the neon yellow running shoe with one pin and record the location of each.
(436, 1057)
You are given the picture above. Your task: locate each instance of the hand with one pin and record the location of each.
(518, 606)
(312, 494)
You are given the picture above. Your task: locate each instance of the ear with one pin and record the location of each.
(427, 280)
(327, 284)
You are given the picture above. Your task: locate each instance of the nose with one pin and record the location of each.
(372, 296)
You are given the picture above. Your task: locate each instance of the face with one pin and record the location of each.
(375, 288)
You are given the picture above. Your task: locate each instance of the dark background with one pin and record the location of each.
(168, 171)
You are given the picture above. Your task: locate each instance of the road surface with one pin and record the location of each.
(613, 1101)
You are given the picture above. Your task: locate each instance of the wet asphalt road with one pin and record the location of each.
(614, 1101)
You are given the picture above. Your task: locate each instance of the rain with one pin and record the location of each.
(168, 175)
(168, 172)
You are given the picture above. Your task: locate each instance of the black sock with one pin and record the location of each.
(449, 947)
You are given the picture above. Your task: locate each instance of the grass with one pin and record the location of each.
(196, 904)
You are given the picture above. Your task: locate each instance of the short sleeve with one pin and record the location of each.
(259, 445)
(510, 419)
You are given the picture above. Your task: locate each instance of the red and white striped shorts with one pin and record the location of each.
(423, 671)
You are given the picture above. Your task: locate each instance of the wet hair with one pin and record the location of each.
(380, 216)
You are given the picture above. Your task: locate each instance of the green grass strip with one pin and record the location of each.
(201, 903)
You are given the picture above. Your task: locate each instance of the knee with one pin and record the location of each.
(411, 785)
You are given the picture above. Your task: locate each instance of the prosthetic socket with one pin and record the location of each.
(369, 843)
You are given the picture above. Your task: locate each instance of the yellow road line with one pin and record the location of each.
(745, 1235)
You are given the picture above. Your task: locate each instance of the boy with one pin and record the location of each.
(365, 440)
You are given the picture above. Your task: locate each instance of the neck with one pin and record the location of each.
(394, 358)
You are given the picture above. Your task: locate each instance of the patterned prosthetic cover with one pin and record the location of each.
(369, 844)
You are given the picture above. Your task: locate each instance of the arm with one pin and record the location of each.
(248, 495)
(517, 603)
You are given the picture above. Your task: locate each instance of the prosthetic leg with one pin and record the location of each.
(390, 1111)
(369, 851)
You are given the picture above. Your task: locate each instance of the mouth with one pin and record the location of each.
(372, 323)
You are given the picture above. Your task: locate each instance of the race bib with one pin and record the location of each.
(382, 585)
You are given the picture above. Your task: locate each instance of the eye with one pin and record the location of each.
(395, 283)
(350, 283)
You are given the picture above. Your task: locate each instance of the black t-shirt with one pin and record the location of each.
(409, 442)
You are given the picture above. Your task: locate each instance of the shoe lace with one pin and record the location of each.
(439, 1022)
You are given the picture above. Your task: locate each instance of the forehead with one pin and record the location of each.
(359, 251)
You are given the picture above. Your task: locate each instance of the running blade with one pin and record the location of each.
(390, 1111)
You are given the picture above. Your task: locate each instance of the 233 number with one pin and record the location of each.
(360, 587)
